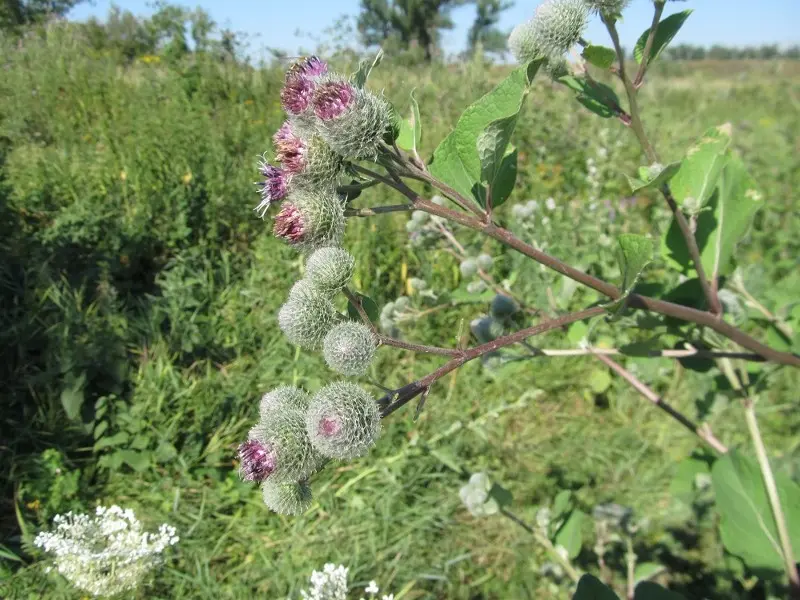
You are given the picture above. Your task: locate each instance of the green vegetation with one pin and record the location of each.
(139, 297)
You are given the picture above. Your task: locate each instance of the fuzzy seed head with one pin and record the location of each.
(503, 307)
(343, 421)
(349, 348)
(311, 218)
(282, 398)
(287, 498)
(554, 29)
(351, 120)
(485, 262)
(330, 269)
(468, 267)
(307, 316)
(607, 7)
(257, 461)
(283, 432)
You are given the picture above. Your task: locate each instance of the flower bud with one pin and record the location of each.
(502, 307)
(282, 398)
(307, 316)
(476, 286)
(402, 303)
(468, 267)
(288, 497)
(349, 348)
(419, 216)
(257, 460)
(329, 269)
(296, 94)
(283, 433)
(387, 312)
(418, 285)
(413, 226)
(310, 219)
(486, 329)
(343, 421)
(353, 121)
(274, 186)
(485, 262)
(607, 7)
(555, 28)
(308, 158)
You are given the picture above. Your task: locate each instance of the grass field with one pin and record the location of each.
(139, 294)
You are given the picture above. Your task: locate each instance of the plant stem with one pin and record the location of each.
(390, 341)
(648, 46)
(772, 494)
(704, 432)
(630, 560)
(571, 572)
(652, 157)
(394, 400)
(376, 210)
(649, 353)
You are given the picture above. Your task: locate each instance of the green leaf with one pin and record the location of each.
(411, 129)
(570, 535)
(648, 590)
(72, 396)
(635, 253)
(455, 160)
(562, 504)
(138, 461)
(369, 306)
(504, 181)
(599, 56)
(730, 212)
(699, 172)
(492, 143)
(596, 96)
(599, 381)
(653, 178)
(667, 29)
(577, 331)
(365, 68)
(591, 588)
(501, 495)
(648, 570)
(682, 485)
(114, 440)
(746, 525)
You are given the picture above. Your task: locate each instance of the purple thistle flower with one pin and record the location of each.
(329, 427)
(289, 224)
(274, 186)
(309, 66)
(290, 150)
(332, 99)
(258, 461)
(296, 94)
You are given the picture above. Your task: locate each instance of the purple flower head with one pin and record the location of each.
(332, 99)
(329, 426)
(289, 224)
(290, 150)
(258, 461)
(296, 94)
(309, 66)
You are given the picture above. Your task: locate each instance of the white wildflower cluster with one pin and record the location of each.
(106, 553)
(475, 496)
(331, 584)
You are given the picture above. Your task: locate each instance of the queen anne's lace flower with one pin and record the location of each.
(331, 584)
(107, 553)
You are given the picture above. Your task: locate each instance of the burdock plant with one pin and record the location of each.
(336, 127)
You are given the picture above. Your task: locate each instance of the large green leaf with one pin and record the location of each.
(746, 524)
(635, 253)
(599, 56)
(648, 590)
(570, 535)
(730, 212)
(596, 96)
(591, 588)
(72, 396)
(699, 172)
(456, 160)
(492, 143)
(667, 29)
(653, 177)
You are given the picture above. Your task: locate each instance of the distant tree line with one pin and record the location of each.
(719, 52)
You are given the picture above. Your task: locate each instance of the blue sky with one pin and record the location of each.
(276, 23)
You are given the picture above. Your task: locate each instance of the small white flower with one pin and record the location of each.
(475, 496)
(550, 203)
(372, 588)
(105, 554)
